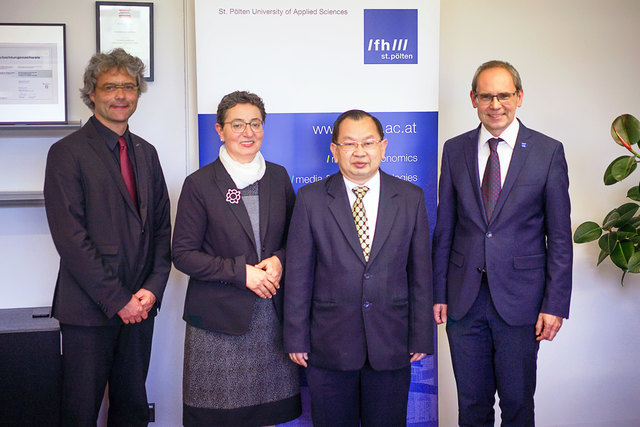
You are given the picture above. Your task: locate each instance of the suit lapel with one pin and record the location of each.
(387, 211)
(225, 184)
(520, 153)
(264, 191)
(341, 211)
(471, 158)
(96, 142)
(142, 178)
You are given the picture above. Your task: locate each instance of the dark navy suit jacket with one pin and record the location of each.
(526, 249)
(343, 310)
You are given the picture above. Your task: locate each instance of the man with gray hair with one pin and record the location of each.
(108, 212)
(502, 251)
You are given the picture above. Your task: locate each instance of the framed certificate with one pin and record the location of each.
(129, 26)
(32, 73)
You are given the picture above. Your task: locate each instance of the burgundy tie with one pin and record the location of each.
(127, 170)
(491, 180)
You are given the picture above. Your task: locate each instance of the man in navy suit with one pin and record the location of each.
(357, 297)
(502, 251)
(108, 211)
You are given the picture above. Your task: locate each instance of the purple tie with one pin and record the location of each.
(127, 170)
(491, 180)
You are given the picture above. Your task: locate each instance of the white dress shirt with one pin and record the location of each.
(505, 148)
(370, 200)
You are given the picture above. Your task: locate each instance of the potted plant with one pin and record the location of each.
(619, 235)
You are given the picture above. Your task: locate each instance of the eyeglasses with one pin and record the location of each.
(487, 98)
(349, 146)
(126, 87)
(239, 125)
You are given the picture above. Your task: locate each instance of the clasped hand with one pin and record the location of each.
(138, 307)
(263, 279)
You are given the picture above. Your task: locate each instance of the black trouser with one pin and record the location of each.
(346, 398)
(95, 356)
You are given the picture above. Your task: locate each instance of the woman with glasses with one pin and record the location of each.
(229, 237)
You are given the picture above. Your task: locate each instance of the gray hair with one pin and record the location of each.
(102, 62)
(497, 64)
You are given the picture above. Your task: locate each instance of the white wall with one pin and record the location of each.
(579, 63)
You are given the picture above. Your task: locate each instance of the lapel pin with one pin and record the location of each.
(233, 196)
(523, 145)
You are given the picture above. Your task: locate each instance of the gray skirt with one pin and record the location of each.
(240, 380)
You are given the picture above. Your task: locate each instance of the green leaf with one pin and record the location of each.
(587, 232)
(603, 255)
(622, 167)
(608, 241)
(626, 212)
(602, 243)
(621, 253)
(608, 177)
(625, 128)
(627, 231)
(634, 193)
(633, 266)
(617, 257)
(611, 218)
(635, 221)
(627, 248)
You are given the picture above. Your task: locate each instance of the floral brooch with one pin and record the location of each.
(233, 196)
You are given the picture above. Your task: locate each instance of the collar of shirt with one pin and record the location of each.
(109, 136)
(370, 200)
(505, 148)
(111, 139)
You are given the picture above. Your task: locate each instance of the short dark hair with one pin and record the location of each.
(354, 115)
(238, 97)
(102, 62)
(497, 64)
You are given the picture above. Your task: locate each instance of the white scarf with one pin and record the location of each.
(243, 174)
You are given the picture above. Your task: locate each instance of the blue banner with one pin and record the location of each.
(300, 142)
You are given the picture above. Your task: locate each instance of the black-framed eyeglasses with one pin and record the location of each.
(487, 98)
(126, 87)
(239, 125)
(367, 144)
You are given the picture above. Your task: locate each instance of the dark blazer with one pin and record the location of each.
(343, 310)
(213, 242)
(526, 249)
(108, 250)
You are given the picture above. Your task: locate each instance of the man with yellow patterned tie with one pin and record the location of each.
(358, 283)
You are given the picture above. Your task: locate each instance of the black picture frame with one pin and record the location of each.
(124, 25)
